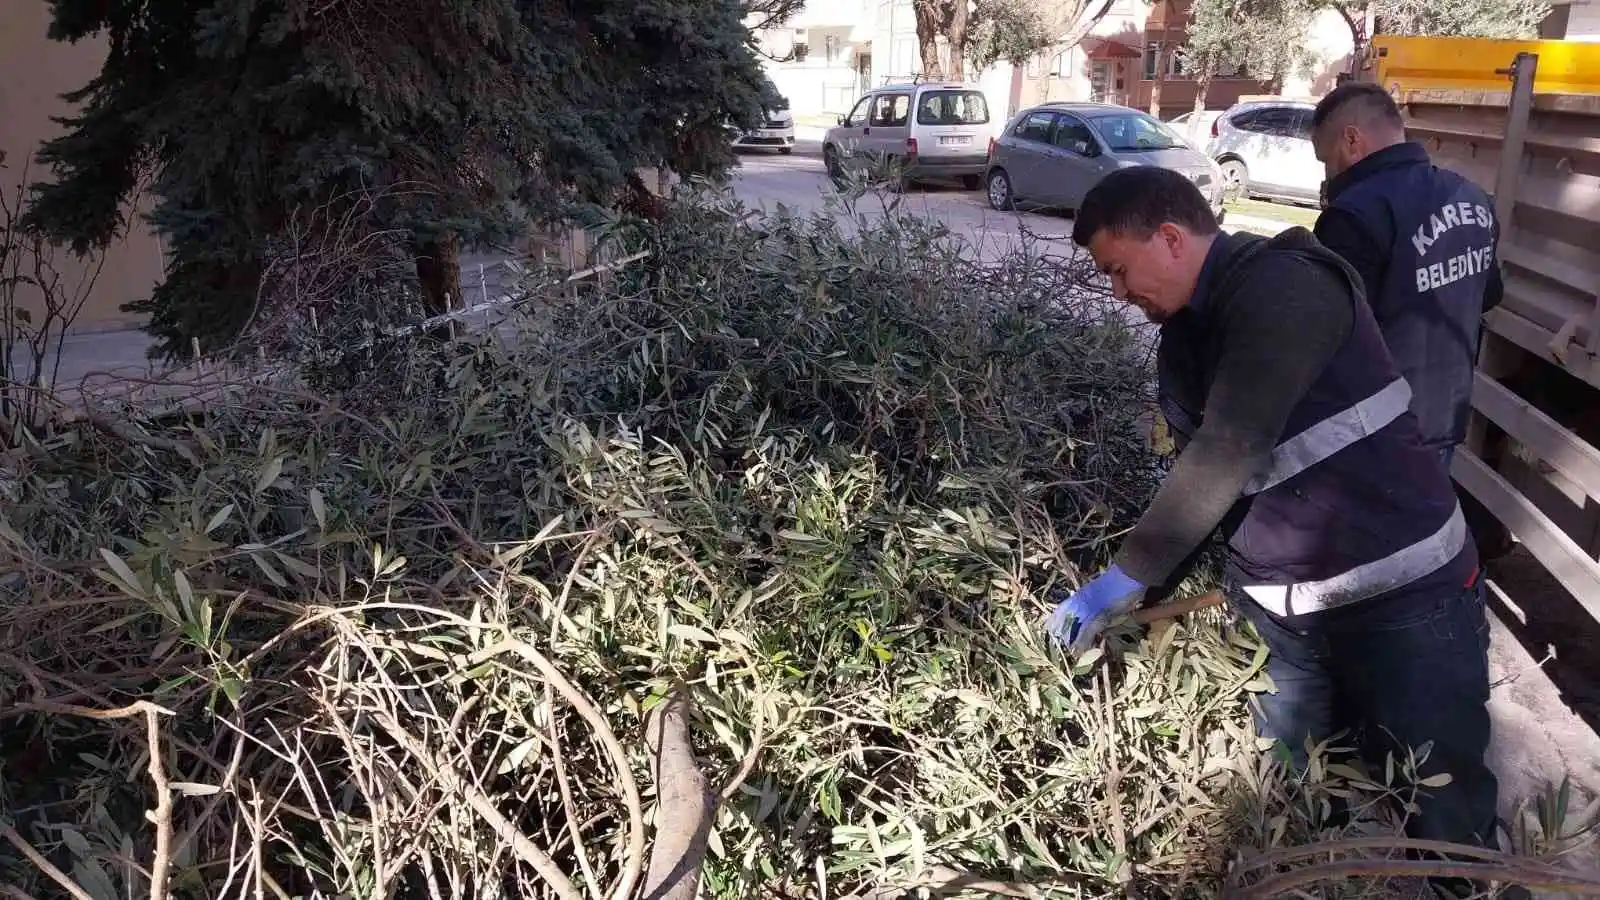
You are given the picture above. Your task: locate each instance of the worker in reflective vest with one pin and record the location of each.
(1423, 241)
(1346, 547)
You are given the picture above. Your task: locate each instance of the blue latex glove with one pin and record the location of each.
(1080, 618)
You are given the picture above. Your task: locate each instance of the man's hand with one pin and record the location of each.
(1079, 619)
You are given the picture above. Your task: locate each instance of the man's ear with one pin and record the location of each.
(1174, 237)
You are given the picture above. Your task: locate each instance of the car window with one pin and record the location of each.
(1244, 121)
(891, 110)
(1072, 134)
(1278, 121)
(1302, 124)
(952, 108)
(858, 116)
(1133, 132)
(1035, 127)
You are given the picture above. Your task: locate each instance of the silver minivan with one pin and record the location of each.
(1051, 155)
(921, 129)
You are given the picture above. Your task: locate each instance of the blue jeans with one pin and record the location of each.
(1398, 671)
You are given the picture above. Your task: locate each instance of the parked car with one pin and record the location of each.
(1051, 155)
(924, 129)
(776, 133)
(1200, 138)
(1264, 148)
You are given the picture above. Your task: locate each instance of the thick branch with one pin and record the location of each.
(686, 807)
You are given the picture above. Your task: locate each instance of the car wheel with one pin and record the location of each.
(1235, 180)
(1000, 196)
(971, 182)
(785, 150)
(830, 161)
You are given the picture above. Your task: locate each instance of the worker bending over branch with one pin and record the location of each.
(1346, 546)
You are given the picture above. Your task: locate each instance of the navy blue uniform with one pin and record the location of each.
(1347, 548)
(1423, 240)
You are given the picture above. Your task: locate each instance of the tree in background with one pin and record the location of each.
(1457, 18)
(1245, 34)
(1016, 31)
(467, 118)
(1252, 33)
(1463, 18)
(984, 32)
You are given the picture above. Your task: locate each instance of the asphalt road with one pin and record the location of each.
(767, 179)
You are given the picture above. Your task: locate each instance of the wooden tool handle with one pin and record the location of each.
(1178, 608)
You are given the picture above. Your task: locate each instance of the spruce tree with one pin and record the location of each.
(464, 118)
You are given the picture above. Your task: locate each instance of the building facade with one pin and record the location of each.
(830, 52)
(34, 73)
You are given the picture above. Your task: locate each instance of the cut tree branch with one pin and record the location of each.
(686, 808)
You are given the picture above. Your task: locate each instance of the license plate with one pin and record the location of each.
(954, 141)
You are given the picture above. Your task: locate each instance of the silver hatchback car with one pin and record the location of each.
(1051, 155)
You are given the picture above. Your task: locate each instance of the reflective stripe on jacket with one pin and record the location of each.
(1351, 504)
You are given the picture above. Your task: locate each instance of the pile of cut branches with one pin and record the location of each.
(725, 576)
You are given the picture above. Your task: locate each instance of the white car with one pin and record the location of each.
(928, 129)
(1204, 130)
(1264, 148)
(776, 133)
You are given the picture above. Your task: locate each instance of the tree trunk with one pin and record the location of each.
(958, 41)
(929, 18)
(1201, 83)
(1161, 75)
(439, 274)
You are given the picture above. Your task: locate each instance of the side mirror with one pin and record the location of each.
(839, 119)
(1085, 148)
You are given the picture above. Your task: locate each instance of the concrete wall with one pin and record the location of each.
(34, 72)
(1583, 21)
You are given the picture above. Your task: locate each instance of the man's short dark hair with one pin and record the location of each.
(1361, 103)
(1135, 202)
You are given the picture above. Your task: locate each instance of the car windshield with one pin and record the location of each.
(952, 108)
(1133, 131)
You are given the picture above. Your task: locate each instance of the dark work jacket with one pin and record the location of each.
(1423, 239)
(1354, 506)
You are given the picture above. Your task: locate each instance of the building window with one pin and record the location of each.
(801, 51)
(1231, 68)
(1061, 66)
(830, 48)
(1171, 61)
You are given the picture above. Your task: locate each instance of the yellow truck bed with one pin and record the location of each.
(1404, 64)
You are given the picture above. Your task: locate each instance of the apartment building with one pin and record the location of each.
(830, 52)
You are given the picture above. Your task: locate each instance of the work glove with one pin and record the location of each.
(1080, 618)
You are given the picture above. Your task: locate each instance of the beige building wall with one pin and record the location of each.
(34, 72)
(1583, 21)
